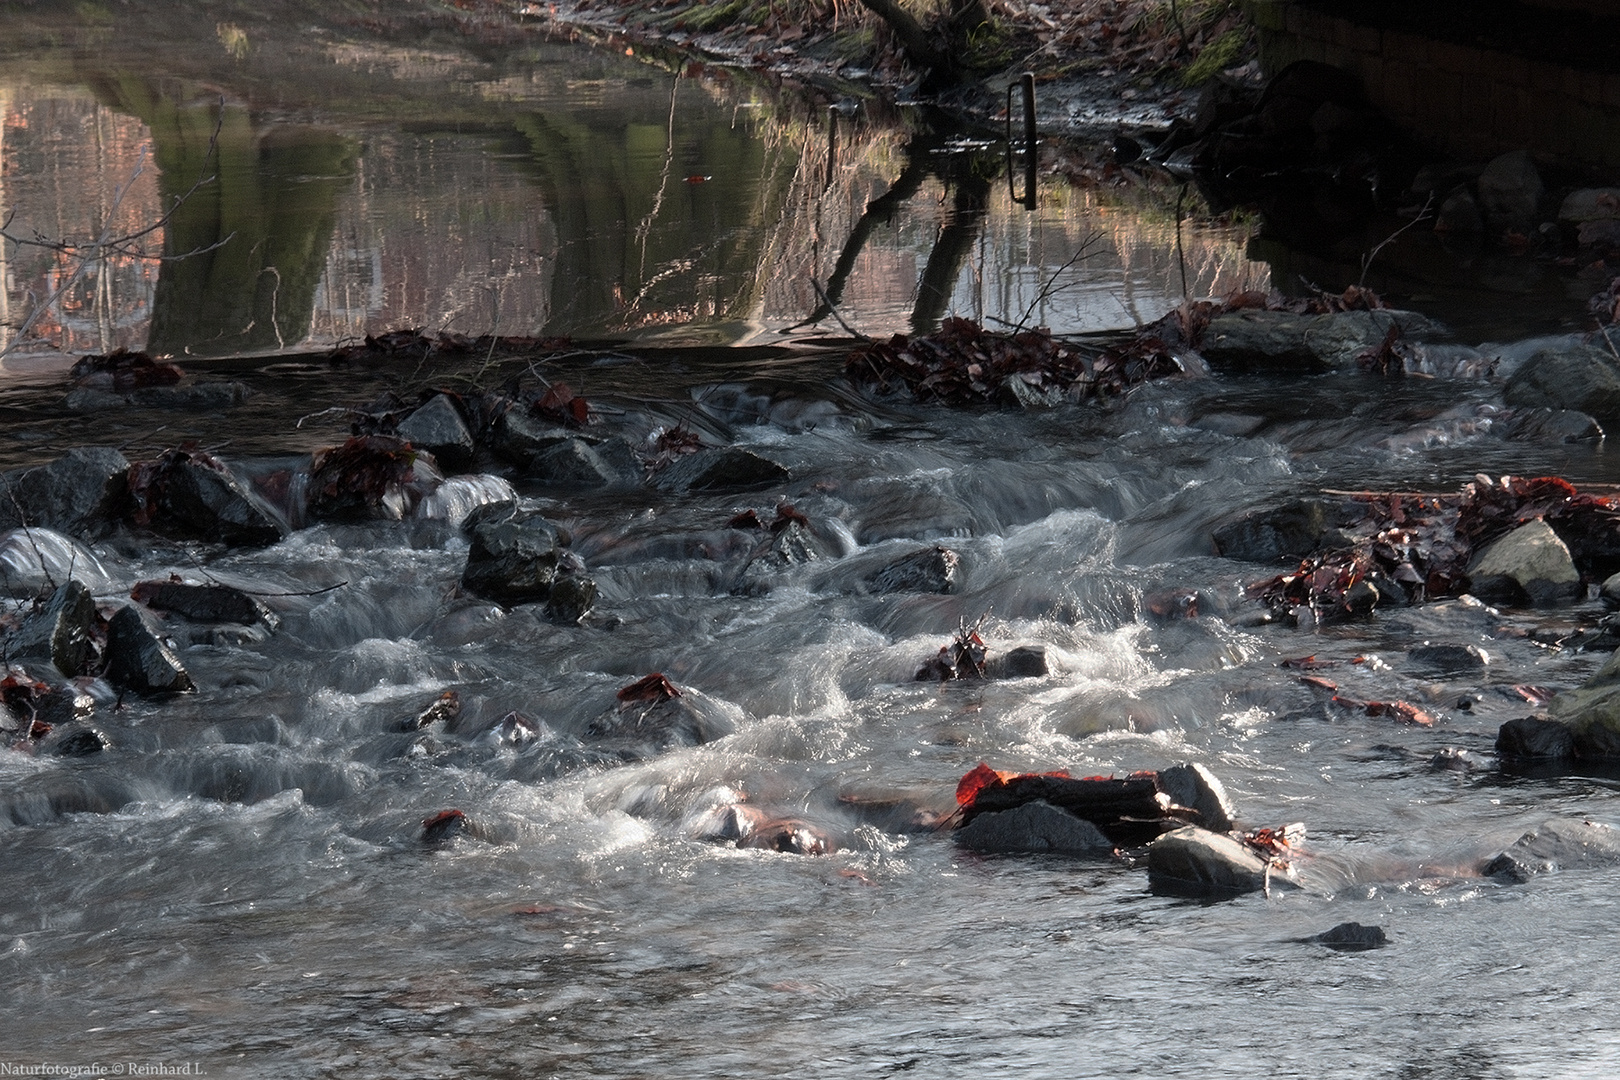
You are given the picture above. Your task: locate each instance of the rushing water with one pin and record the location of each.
(240, 884)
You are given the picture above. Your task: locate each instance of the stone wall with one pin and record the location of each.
(1469, 101)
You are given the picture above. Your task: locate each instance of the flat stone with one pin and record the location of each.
(1034, 826)
(1530, 563)
(78, 493)
(138, 659)
(1285, 341)
(1532, 738)
(1556, 844)
(210, 603)
(1197, 862)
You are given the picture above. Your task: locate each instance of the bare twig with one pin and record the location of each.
(1367, 259)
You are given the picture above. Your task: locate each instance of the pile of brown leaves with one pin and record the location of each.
(963, 364)
(1420, 546)
(352, 482)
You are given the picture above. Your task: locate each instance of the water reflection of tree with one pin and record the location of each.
(263, 227)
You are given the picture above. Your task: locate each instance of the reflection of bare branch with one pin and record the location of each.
(106, 245)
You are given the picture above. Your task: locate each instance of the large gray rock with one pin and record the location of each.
(198, 497)
(1196, 862)
(61, 631)
(1195, 787)
(1591, 713)
(1034, 826)
(438, 427)
(1528, 564)
(519, 436)
(138, 660)
(1510, 190)
(1552, 426)
(78, 493)
(1556, 844)
(1581, 377)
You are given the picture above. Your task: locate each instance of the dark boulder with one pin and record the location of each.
(1033, 826)
(517, 436)
(1286, 532)
(514, 554)
(572, 463)
(573, 593)
(82, 743)
(191, 494)
(928, 570)
(138, 660)
(446, 825)
(1449, 657)
(78, 493)
(62, 630)
(653, 715)
(790, 546)
(437, 426)
(1544, 424)
(1585, 378)
(727, 468)
(1019, 662)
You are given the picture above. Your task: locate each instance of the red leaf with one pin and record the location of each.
(654, 687)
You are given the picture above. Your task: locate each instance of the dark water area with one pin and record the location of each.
(240, 882)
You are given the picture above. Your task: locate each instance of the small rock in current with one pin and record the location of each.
(1351, 937)
(1195, 787)
(81, 744)
(1033, 826)
(1196, 862)
(931, 570)
(139, 660)
(1446, 656)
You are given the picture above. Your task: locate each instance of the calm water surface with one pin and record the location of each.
(239, 882)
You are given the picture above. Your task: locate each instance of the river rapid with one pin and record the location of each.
(239, 885)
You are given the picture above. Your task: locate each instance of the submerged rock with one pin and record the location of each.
(636, 730)
(1528, 564)
(78, 493)
(930, 570)
(1351, 937)
(1196, 862)
(727, 468)
(1034, 826)
(1556, 844)
(138, 659)
(449, 824)
(792, 545)
(1284, 533)
(443, 709)
(82, 743)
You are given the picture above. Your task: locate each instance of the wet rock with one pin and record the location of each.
(1590, 204)
(447, 825)
(719, 469)
(790, 836)
(1554, 426)
(1452, 759)
(514, 554)
(62, 631)
(519, 437)
(1556, 844)
(1534, 739)
(1581, 377)
(1257, 339)
(1195, 787)
(198, 397)
(1459, 213)
(78, 493)
(1528, 564)
(789, 546)
(1361, 598)
(138, 660)
(653, 715)
(573, 594)
(1351, 937)
(192, 494)
(515, 729)
(1034, 826)
(438, 427)
(81, 744)
(1128, 810)
(1020, 662)
(1609, 591)
(205, 603)
(369, 478)
(442, 710)
(931, 570)
(1197, 862)
(572, 463)
(1285, 533)
(1448, 657)
(1591, 713)
(1510, 191)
